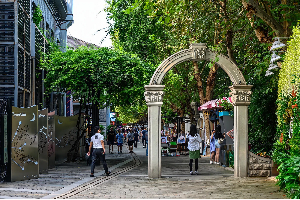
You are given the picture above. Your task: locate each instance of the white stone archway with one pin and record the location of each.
(240, 93)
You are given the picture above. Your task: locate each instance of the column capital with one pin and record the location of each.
(154, 94)
(241, 94)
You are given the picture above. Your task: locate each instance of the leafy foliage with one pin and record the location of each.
(287, 146)
(157, 29)
(101, 75)
(225, 103)
(133, 113)
(37, 16)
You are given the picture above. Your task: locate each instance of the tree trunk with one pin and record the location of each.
(255, 10)
(209, 90)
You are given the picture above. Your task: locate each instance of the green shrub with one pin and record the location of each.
(287, 147)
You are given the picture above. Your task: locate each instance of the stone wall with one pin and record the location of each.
(259, 166)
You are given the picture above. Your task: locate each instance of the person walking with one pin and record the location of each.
(146, 141)
(212, 147)
(130, 140)
(97, 143)
(136, 138)
(120, 140)
(194, 148)
(143, 137)
(111, 140)
(218, 137)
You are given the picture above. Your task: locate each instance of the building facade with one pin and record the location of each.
(26, 28)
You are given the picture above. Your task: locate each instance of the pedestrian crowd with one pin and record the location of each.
(132, 136)
(96, 149)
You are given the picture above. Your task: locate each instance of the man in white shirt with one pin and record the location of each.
(97, 143)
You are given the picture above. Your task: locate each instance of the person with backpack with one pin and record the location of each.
(119, 138)
(130, 140)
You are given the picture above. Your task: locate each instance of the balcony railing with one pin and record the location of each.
(59, 7)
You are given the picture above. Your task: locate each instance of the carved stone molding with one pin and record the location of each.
(241, 95)
(152, 97)
(199, 51)
(154, 94)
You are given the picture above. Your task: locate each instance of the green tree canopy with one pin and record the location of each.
(241, 29)
(114, 76)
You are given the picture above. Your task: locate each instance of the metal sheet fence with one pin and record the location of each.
(31, 141)
(5, 129)
(43, 141)
(24, 144)
(65, 136)
(51, 141)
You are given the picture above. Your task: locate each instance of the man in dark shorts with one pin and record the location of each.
(111, 139)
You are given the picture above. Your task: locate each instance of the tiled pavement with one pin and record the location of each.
(213, 182)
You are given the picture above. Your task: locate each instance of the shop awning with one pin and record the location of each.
(212, 104)
(209, 105)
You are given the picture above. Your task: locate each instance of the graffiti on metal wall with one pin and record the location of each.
(24, 143)
(65, 135)
(5, 129)
(43, 140)
(51, 141)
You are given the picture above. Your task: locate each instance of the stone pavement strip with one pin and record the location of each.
(213, 182)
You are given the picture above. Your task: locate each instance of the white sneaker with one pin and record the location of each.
(196, 172)
(191, 172)
(215, 162)
(218, 163)
(210, 162)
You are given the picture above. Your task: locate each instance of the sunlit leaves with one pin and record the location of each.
(114, 76)
(287, 151)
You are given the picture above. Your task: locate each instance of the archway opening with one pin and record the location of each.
(240, 94)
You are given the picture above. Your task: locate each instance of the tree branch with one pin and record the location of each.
(254, 8)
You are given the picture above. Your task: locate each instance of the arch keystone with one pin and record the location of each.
(198, 51)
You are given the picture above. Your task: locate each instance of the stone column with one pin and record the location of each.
(154, 98)
(241, 99)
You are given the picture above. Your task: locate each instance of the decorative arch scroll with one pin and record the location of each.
(197, 52)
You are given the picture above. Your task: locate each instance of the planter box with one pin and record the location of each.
(225, 113)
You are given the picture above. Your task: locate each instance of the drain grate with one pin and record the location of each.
(90, 183)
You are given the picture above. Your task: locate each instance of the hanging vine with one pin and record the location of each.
(37, 16)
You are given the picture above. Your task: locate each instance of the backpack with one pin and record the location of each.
(130, 136)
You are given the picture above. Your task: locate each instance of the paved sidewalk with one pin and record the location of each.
(176, 182)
